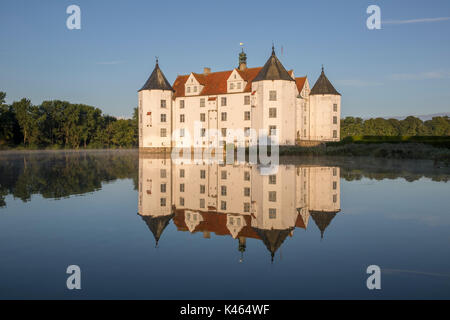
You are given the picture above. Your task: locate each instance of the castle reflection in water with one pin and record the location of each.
(237, 200)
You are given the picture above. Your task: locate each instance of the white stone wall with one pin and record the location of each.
(150, 124)
(285, 104)
(322, 113)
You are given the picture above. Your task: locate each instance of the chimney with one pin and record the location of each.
(206, 71)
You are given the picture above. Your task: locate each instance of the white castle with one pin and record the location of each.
(265, 99)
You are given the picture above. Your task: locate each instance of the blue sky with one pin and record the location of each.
(402, 69)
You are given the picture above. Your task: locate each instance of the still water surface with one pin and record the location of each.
(146, 227)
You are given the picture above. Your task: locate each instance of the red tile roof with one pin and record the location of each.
(215, 82)
(300, 83)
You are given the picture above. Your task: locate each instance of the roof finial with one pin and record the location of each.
(273, 49)
(156, 60)
(322, 69)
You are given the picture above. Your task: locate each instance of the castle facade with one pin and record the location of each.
(242, 106)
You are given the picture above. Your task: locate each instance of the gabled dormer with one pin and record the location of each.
(235, 83)
(193, 86)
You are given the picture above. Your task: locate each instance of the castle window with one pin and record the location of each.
(334, 185)
(163, 103)
(246, 100)
(334, 120)
(181, 187)
(272, 179)
(224, 132)
(272, 112)
(272, 95)
(181, 201)
(247, 175)
(163, 117)
(202, 203)
(223, 101)
(334, 134)
(202, 102)
(223, 205)
(163, 132)
(334, 198)
(247, 131)
(304, 120)
(202, 117)
(162, 202)
(224, 116)
(272, 130)
(162, 173)
(223, 190)
(223, 174)
(272, 196)
(272, 213)
(247, 115)
(202, 188)
(202, 174)
(181, 173)
(335, 107)
(334, 172)
(181, 104)
(163, 188)
(181, 117)
(246, 207)
(182, 132)
(246, 192)
(202, 132)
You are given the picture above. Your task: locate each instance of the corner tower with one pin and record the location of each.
(325, 106)
(275, 91)
(155, 112)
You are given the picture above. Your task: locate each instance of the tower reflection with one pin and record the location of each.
(236, 200)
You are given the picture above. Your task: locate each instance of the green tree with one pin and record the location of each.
(25, 114)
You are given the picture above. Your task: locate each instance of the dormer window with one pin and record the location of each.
(188, 89)
(195, 88)
(238, 86)
(232, 85)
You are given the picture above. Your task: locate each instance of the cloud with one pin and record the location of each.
(420, 20)
(420, 76)
(358, 83)
(109, 62)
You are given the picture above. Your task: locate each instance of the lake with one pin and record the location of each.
(146, 227)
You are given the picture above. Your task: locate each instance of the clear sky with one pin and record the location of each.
(402, 69)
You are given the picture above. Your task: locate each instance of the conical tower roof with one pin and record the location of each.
(323, 86)
(157, 224)
(322, 220)
(157, 80)
(273, 70)
(273, 238)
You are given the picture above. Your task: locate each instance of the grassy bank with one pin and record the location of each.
(432, 148)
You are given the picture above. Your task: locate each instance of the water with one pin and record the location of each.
(309, 231)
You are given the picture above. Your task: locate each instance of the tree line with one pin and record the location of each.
(410, 126)
(61, 124)
(60, 174)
